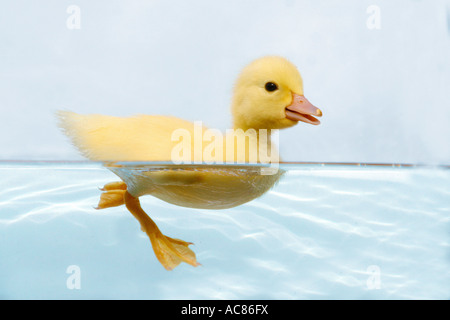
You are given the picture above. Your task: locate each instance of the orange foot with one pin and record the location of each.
(170, 252)
(113, 195)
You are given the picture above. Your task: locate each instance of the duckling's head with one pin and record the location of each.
(268, 94)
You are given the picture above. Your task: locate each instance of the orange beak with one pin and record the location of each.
(302, 110)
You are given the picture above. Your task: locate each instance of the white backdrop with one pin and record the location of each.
(383, 90)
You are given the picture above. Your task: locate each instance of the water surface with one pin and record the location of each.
(323, 232)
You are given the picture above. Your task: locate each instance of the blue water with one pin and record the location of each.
(323, 232)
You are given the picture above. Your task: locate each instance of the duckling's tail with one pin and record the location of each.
(76, 128)
(97, 137)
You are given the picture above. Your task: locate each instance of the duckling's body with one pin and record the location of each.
(106, 138)
(268, 95)
(202, 187)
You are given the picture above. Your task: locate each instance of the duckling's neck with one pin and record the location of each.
(239, 124)
(258, 131)
(259, 140)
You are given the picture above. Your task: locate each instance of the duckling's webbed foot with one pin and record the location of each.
(170, 252)
(113, 195)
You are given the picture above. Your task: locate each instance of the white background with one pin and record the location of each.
(383, 92)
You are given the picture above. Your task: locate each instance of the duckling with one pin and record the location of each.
(268, 94)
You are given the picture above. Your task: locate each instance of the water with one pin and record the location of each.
(323, 232)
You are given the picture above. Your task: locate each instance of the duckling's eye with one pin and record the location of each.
(270, 86)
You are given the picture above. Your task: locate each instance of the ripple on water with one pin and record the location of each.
(315, 235)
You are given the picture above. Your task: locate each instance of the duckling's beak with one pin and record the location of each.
(302, 110)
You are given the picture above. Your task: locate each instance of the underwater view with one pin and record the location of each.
(225, 150)
(324, 231)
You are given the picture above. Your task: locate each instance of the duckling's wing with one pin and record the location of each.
(108, 138)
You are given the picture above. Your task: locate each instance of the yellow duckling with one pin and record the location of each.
(268, 95)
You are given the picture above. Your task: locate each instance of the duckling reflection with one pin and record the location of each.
(268, 94)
